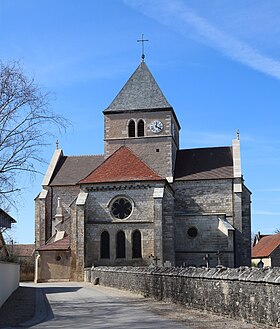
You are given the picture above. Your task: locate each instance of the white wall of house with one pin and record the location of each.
(9, 280)
(266, 261)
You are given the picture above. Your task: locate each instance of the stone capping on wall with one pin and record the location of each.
(244, 273)
(250, 294)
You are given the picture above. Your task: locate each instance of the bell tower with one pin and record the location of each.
(141, 118)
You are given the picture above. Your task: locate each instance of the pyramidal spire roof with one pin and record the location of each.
(141, 92)
(123, 165)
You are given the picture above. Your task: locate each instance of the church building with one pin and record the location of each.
(144, 201)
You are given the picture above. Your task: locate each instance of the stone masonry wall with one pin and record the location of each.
(200, 204)
(190, 251)
(275, 257)
(251, 294)
(204, 197)
(100, 219)
(246, 226)
(92, 247)
(141, 195)
(67, 195)
(168, 234)
(54, 266)
(158, 151)
(43, 220)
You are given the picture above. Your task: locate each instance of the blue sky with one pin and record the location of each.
(217, 62)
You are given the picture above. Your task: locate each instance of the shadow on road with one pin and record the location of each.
(59, 290)
(19, 307)
(29, 305)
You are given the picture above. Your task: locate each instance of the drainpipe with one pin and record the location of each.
(36, 267)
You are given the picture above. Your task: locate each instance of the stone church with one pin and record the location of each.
(144, 201)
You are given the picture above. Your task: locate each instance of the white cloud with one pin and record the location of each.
(177, 15)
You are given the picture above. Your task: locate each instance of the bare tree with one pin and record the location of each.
(25, 121)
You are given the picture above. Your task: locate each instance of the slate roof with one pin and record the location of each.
(204, 163)
(123, 165)
(71, 169)
(141, 92)
(63, 244)
(266, 246)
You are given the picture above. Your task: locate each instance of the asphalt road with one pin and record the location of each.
(81, 305)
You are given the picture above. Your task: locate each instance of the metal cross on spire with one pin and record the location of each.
(237, 134)
(142, 40)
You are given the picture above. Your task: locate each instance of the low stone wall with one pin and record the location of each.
(27, 272)
(250, 294)
(9, 280)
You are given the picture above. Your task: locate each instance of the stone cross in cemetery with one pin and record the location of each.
(219, 256)
(154, 259)
(207, 258)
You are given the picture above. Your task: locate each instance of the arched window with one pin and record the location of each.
(105, 245)
(136, 244)
(140, 128)
(131, 128)
(120, 252)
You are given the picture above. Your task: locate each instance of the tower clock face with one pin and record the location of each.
(156, 126)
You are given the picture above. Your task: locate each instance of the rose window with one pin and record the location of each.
(121, 208)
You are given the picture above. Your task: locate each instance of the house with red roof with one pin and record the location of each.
(144, 201)
(266, 250)
(22, 254)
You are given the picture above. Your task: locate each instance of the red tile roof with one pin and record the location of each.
(266, 246)
(21, 250)
(123, 165)
(63, 244)
(257, 238)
